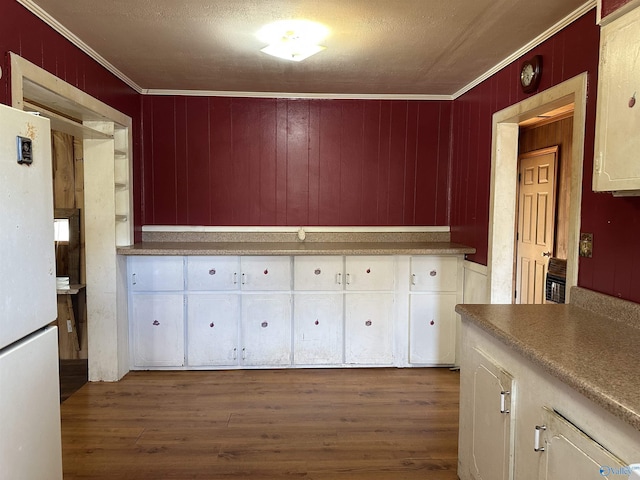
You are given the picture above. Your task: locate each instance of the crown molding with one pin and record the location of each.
(62, 30)
(569, 19)
(66, 33)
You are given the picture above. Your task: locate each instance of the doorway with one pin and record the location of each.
(504, 169)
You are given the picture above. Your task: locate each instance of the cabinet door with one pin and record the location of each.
(369, 272)
(212, 329)
(266, 329)
(369, 328)
(569, 454)
(318, 327)
(265, 273)
(158, 330)
(432, 329)
(434, 274)
(492, 419)
(213, 273)
(156, 274)
(318, 273)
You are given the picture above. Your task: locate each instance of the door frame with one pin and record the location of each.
(107, 319)
(504, 173)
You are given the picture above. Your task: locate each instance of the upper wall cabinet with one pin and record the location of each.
(616, 167)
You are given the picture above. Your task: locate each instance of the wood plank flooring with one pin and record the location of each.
(317, 424)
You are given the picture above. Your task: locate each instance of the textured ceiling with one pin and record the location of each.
(376, 47)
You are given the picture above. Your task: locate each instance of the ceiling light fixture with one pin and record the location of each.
(293, 40)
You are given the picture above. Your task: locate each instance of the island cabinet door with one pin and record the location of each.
(567, 452)
(266, 330)
(489, 435)
(213, 323)
(369, 328)
(375, 272)
(265, 273)
(213, 273)
(316, 273)
(158, 330)
(432, 329)
(318, 328)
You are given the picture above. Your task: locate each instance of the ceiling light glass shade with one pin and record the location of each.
(292, 50)
(293, 39)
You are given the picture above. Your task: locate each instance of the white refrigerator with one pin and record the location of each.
(30, 442)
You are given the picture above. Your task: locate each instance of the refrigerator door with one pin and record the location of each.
(28, 279)
(30, 446)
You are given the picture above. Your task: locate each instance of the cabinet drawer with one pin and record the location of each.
(213, 273)
(434, 274)
(318, 273)
(369, 273)
(265, 273)
(156, 274)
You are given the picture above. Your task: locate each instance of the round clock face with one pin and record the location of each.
(527, 74)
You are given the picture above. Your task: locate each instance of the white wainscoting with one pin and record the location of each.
(475, 283)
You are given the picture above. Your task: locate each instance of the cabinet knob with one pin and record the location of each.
(264, 324)
(432, 322)
(212, 324)
(433, 273)
(212, 271)
(156, 323)
(368, 323)
(317, 271)
(316, 322)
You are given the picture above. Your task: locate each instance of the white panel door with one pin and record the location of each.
(434, 274)
(569, 454)
(266, 329)
(318, 329)
(369, 328)
(213, 273)
(30, 447)
(492, 420)
(158, 330)
(369, 272)
(432, 329)
(213, 329)
(156, 273)
(265, 273)
(318, 273)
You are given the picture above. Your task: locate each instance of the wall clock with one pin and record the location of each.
(530, 73)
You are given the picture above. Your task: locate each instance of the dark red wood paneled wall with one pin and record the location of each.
(246, 161)
(614, 268)
(610, 6)
(23, 33)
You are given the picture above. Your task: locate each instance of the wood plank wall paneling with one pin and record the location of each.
(610, 6)
(614, 268)
(243, 161)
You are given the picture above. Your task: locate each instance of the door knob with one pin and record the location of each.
(546, 254)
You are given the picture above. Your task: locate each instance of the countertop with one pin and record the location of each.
(296, 248)
(594, 354)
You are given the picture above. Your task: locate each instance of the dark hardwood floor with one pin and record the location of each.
(73, 375)
(317, 424)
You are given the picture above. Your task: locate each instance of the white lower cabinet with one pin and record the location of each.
(266, 329)
(432, 329)
(568, 453)
(276, 311)
(528, 425)
(158, 330)
(369, 328)
(213, 329)
(318, 328)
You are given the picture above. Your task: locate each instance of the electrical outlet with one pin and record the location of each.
(586, 245)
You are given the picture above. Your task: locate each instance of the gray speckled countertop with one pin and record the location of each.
(296, 248)
(597, 355)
